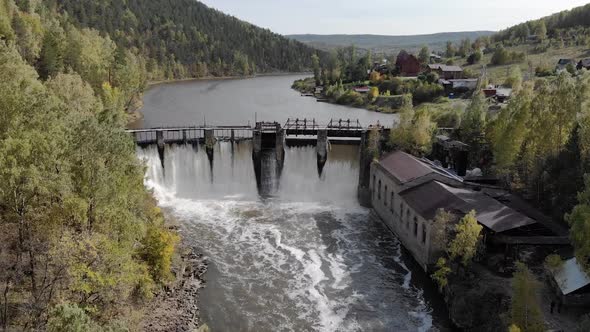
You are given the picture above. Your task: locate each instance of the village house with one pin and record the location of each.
(407, 64)
(407, 192)
(446, 72)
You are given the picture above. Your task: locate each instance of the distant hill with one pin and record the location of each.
(388, 44)
(188, 34)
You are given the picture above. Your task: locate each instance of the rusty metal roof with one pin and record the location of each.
(427, 198)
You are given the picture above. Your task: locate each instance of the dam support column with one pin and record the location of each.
(367, 153)
(280, 151)
(257, 157)
(184, 137)
(322, 150)
(160, 142)
(209, 146)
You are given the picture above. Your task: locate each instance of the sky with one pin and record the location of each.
(388, 17)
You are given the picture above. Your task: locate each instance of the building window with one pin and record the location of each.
(415, 227)
(401, 211)
(385, 196)
(374, 187)
(379, 191)
(423, 234)
(391, 205)
(408, 218)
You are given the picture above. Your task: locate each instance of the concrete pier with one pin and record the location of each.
(322, 149)
(210, 141)
(184, 137)
(367, 155)
(280, 150)
(160, 143)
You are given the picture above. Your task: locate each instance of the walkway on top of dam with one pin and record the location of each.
(305, 129)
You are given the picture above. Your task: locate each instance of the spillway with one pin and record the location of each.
(295, 252)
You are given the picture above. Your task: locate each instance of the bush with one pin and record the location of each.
(474, 57)
(157, 251)
(351, 97)
(543, 70)
(502, 57)
(70, 318)
(427, 92)
(553, 262)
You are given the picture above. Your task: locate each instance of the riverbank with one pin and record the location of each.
(364, 97)
(176, 306)
(219, 78)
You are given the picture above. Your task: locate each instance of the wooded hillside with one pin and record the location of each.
(82, 243)
(556, 25)
(185, 38)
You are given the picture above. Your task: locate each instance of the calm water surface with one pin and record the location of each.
(239, 101)
(307, 258)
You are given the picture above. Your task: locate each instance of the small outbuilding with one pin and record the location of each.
(572, 283)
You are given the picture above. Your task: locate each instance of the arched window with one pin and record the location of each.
(385, 196)
(423, 234)
(374, 186)
(379, 191)
(415, 227)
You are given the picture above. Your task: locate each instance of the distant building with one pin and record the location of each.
(584, 63)
(407, 192)
(465, 84)
(563, 63)
(407, 64)
(499, 93)
(435, 58)
(361, 89)
(446, 72)
(533, 39)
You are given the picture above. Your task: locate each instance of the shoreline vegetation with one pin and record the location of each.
(153, 83)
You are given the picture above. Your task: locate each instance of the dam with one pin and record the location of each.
(290, 248)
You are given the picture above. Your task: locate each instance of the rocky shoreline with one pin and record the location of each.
(176, 307)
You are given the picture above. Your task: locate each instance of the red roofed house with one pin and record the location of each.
(407, 64)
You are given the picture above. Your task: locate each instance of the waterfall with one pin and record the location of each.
(299, 254)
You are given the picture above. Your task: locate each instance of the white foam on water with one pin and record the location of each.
(277, 245)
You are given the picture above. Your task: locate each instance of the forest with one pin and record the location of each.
(82, 243)
(185, 38)
(560, 25)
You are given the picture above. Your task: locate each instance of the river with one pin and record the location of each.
(305, 258)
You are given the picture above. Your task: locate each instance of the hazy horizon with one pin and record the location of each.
(388, 17)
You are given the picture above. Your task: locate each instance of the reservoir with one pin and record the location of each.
(307, 257)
